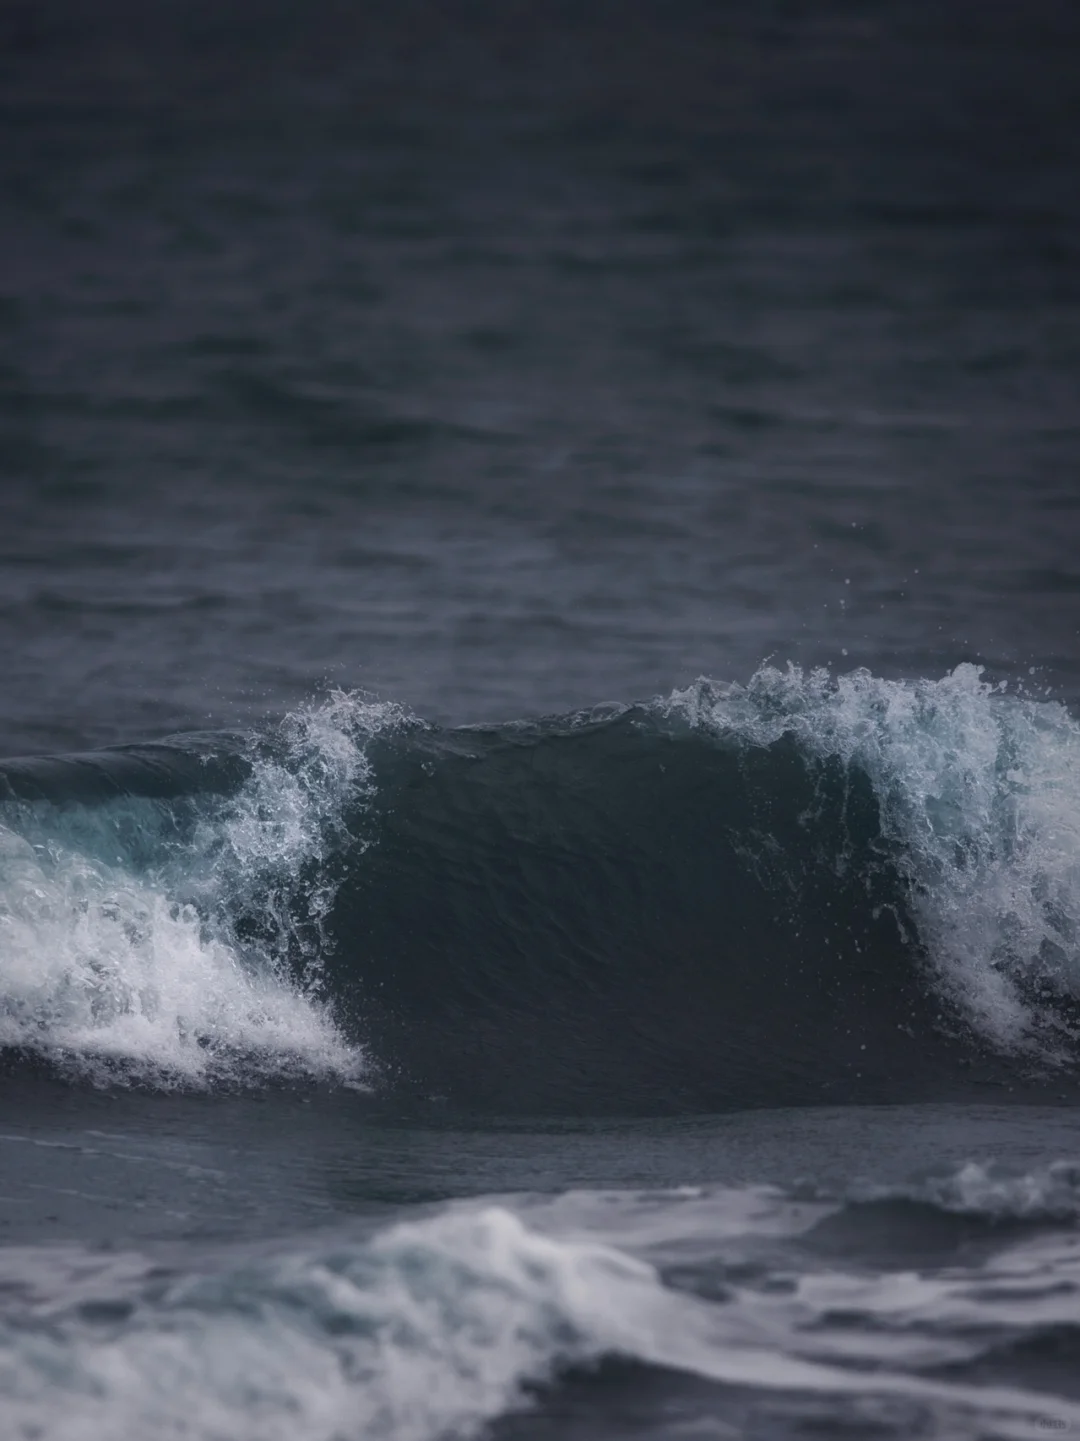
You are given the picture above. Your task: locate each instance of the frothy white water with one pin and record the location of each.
(980, 793)
(119, 955)
(107, 974)
(1051, 1194)
(435, 1327)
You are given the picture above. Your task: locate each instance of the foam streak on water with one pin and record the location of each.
(979, 794)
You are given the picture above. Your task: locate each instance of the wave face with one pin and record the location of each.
(802, 889)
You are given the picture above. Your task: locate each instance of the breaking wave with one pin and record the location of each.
(802, 889)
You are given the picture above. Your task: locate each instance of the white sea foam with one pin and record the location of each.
(1049, 1194)
(980, 792)
(435, 1327)
(119, 951)
(672, 1226)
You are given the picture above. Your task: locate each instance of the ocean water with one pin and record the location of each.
(540, 720)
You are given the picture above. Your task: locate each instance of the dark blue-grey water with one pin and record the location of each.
(569, 514)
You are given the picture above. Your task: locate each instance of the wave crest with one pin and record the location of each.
(979, 792)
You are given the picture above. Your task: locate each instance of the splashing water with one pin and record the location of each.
(181, 943)
(979, 793)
